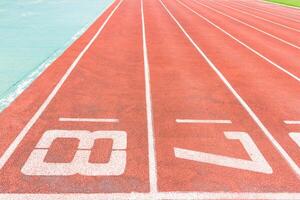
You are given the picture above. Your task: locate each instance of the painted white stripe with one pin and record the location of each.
(151, 139)
(282, 5)
(253, 27)
(243, 44)
(261, 18)
(203, 121)
(255, 118)
(270, 13)
(10, 150)
(63, 119)
(291, 122)
(154, 196)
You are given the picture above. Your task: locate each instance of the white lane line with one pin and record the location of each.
(105, 120)
(12, 147)
(270, 13)
(261, 18)
(267, 133)
(280, 6)
(292, 122)
(246, 24)
(151, 139)
(151, 196)
(203, 121)
(243, 44)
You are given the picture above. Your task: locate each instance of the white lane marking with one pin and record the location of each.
(295, 137)
(270, 13)
(264, 19)
(153, 196)
(104, 120)
(291, 122)
(151, 139)
(267, 133)
(203, 121)
(257, 162)
(246, 24)
(12, 147)
(243, 44)
(280, 5)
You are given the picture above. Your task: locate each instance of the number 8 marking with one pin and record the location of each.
(80, 164)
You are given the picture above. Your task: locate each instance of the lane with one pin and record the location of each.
(197, 112)
(275, 8)
(286, 34)
(265, 14)
(287, 24)
(269, 49)
(75, 155)
(273, 33)
(14, 118)
(200, 128)
(271, 95)
(283, 23)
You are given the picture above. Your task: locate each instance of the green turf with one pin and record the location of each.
(295, 3)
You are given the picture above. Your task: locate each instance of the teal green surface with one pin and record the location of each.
(33, 33)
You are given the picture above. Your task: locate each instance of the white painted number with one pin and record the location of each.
(35, 165)
(256, 164)
(295, 137)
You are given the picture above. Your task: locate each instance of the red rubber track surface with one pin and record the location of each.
(288, 19)
(263, 85)
(204, 96)
(274, 8)
(194, 64)
(107, 83)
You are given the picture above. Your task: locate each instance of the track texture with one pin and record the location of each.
(163, 99)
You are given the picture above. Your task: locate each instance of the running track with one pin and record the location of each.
(163, 99)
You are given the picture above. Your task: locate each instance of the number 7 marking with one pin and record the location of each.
(257, 163)
(295, 137)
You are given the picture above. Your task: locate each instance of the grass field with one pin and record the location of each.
(295, 3)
